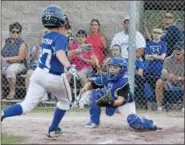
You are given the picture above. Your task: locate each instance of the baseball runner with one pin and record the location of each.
(50, 75)
(112, 92)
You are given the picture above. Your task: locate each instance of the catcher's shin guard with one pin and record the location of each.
(94, 109)
(141, 123)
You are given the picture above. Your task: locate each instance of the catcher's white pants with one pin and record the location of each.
(127, 109)
(41, 81)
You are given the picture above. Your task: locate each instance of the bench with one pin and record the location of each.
(20, 86)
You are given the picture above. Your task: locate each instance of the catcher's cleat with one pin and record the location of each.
(91, 125)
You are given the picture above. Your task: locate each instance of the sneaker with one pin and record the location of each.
(52, 135)
(2, 116)
(91, 125)
(10, 97)
(161, 108)
(58, 131)
(183, 110)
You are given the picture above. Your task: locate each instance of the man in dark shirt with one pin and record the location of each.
(171, 33)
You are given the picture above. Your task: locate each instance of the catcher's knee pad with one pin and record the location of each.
(140, 123)
(110, 111)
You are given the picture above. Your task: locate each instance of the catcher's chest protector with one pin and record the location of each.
(115, 86)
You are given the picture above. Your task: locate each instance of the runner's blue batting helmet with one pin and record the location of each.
(53, 16)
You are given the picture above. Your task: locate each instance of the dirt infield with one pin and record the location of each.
(111, 131)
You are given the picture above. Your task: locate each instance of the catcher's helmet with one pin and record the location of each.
(118, 61)
(53, 16)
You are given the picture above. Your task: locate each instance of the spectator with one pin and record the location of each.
(14, 55)
(122, 39)
(34, 58)
(67, 30)
(98, 41)
(171, 33)
(114, 51)
(155, 54)
(180, 24)
(172, 78)
(85, 61)
(140, 66)
(71, 42)
(139, 79)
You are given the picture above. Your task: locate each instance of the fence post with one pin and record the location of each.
(132, 45)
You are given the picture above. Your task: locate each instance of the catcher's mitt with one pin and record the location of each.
(106, 100)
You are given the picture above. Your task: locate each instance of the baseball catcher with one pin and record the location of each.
(112, 91)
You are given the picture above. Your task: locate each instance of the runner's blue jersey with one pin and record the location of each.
(51, 43)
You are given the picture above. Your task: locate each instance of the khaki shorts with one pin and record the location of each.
(14, 69)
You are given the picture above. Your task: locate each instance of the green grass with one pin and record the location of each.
(51, 110)
(11, 139)
(46, 109)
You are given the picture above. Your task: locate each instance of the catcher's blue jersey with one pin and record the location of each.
(51, 43)
(114, 86)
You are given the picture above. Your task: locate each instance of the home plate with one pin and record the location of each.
(106, 142)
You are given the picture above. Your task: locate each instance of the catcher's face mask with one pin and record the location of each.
(114, 72)
(117, 66)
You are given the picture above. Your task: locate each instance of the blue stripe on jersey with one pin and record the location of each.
(51, 43)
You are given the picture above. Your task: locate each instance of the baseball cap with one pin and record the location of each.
(126, 18)
(179, 46)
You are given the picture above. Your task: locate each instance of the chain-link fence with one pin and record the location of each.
(161, 87)
(159, 65)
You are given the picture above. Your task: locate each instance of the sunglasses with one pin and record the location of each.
(159, 33)
(177, 54)
(79, 35)
(13, 32)
(168, 17)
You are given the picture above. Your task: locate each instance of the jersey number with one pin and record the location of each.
(47, 54)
